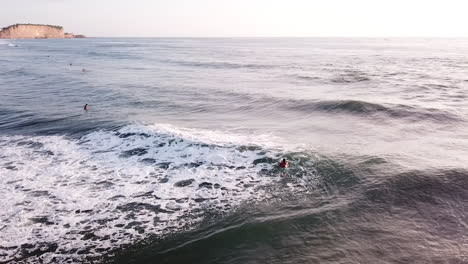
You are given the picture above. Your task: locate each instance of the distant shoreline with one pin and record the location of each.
(35, 31)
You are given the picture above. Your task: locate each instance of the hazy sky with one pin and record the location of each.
(248, 18)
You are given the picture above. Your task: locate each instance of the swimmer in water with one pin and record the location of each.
(85, 107)
(284, 164)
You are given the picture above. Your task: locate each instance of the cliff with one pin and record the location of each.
(31, 31)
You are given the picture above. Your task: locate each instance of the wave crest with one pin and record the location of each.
(367, 109)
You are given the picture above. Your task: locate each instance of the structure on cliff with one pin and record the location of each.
(34, 31)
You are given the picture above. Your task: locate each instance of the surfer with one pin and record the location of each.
(85, 107)
(284, 164)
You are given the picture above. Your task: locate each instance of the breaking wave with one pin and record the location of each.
(72, 199)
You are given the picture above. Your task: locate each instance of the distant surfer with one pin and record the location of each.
(85, 107)
(83, 70)
(284, 164)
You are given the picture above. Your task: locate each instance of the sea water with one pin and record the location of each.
(176, 159)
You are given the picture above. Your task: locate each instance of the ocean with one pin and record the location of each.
(176, 158)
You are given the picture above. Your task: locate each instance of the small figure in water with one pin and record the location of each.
(85, 107)
(284, 164)
(83, 70)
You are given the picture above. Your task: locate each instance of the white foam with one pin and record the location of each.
(10, 44)
(45, 180)
(217, 137)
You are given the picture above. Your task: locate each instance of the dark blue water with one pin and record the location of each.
(176, 159)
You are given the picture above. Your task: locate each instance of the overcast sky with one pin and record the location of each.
(244, 18)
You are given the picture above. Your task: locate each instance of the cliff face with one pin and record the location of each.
(34, 31)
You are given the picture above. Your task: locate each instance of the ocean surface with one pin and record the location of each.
(176, 160)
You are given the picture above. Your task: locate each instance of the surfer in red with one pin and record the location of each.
(284, 164)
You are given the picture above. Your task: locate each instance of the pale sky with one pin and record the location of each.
(244, 18)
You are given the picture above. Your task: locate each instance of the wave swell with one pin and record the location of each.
(367, 109)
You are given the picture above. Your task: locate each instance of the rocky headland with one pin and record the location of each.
(35, 31)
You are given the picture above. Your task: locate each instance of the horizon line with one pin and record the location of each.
(374, 37)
